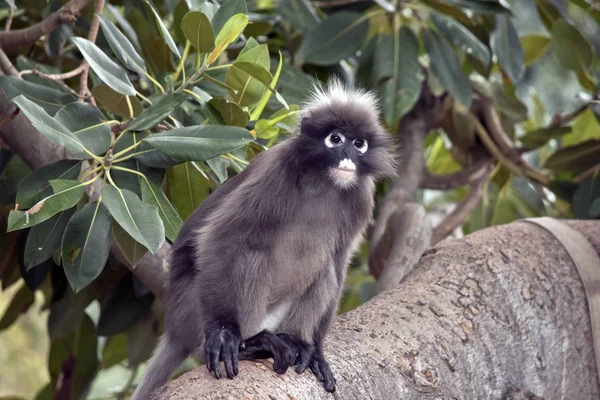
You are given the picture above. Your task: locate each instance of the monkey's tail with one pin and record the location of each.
(167, 357)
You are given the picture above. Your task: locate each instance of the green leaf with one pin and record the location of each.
(198, 31)
(114, 351)
(121, 46)
(334, 39)
(218, 165)
(66, 194)
(131, 249)
(594, 211)
(138, 219)
(585, 195)
(156, 113)
(187, 188)
(570, 48)
(44, 239)
(396, 58)
(199, 143)
(534, 47)
(107, 70)
(164, 32)
(142, 338)
(226, 11)
(484, 7)
(249, 80)
(86, 244)
(264, 130)
(19, 305)
(36, 185)
(115, 102)
(577, 159)
(231, 31)
(153, 194)
(88, 124)
(540, 137)
(459, 35)
(232, 113)
(53, 130)
(507, 47)
(586, 127)
(446, 67)
(299, 13)
(51, 100)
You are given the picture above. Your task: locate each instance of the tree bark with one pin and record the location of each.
(497, 313)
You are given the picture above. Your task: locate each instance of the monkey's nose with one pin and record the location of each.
(347, 165)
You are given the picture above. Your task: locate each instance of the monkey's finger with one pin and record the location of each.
(314, 367)
(227, 358)
(214, 359)
(234, 359)
(304, 360)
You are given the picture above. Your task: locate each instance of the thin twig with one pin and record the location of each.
(55, 77)
(84, 91)
(6, 65)
(335, 3)
(464, 208)
(9, 19)
(52, 77)
(587, 173)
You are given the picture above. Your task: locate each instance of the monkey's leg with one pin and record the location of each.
(301, 348)
(318, 364)
(266, 344)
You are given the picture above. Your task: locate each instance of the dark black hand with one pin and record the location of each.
(222, 343)
(320, 367)
(266, 345)
(301, 349)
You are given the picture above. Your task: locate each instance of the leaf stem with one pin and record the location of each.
(94, 179)
(128, 149)
(155, 82)
(181, 68)
(129, 106)
(91, 172)
(218, 67)
(141, 96)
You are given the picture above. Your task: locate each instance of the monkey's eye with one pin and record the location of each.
(360, 145)
(334, 139)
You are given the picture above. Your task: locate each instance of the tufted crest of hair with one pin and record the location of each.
(356, 111)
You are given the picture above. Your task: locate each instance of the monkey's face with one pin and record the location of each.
(344, 152)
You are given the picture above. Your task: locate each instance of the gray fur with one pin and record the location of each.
(272, 245)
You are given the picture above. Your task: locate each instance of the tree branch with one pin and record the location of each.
(84, 91)
(463, 177)
(465, 207)
(12, 41)
(5, 65)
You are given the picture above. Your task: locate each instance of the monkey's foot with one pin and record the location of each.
(222, 343)
(320, 367)
(301, 349)
(266, 345)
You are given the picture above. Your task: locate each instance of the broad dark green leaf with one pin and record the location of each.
(570, 48)
(484, 7)
(107, 70)
(121, 46)
(199, 143)
(540, 137)
(585, 195)
(45, 238)
(227, 10)
(507, 47)
(334, 39)
(218, 165)
(19, 305)
(232, 113)
(88, 124)
(401, 91)
(153, 194)
(187, 188)
(534, 47)
(36, 185)
(115, 102)
(153, 115)
(576, 158)
(164, 32)
(446, 67)
(594, 211)
(114, 351)
(138, 219)
(141, 339)
(121, 309)
(250, 89)
(459, 35)
(198, 31)
(66, 194)
(299, 13)
(131, 249)
(51, 100)
(53, 130)
(86, 244)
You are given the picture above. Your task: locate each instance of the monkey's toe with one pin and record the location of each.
(320, 368)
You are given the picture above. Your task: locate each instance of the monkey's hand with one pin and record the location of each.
(320, 367)
(222, 343)
(266, 344)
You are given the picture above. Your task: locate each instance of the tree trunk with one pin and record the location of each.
(499, 314)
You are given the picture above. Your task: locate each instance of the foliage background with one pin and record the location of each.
(537, 61)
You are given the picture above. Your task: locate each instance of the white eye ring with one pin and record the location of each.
(364, 147)
(329, 143)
